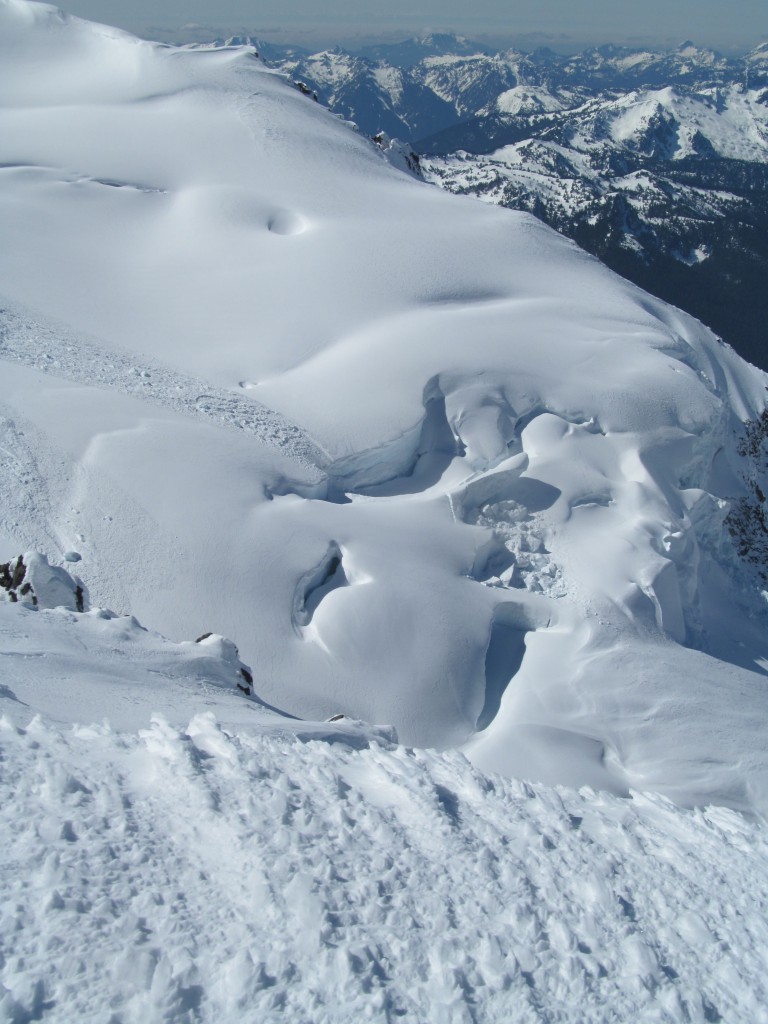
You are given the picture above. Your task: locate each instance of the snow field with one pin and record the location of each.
(285, 348)
(197, 875)
(426, 464)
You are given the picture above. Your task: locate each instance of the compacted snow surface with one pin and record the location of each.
(427, 464)
(266, 870)
(194, 874)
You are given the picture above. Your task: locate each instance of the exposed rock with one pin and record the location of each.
(30, 580)
(747, 521)
(225, 650)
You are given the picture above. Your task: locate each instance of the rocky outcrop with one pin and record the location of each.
(29, 579)
(225, 650)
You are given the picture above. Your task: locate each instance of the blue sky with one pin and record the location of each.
(580, 22)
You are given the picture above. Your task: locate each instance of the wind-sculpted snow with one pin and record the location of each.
(423, 461)
(195, 874)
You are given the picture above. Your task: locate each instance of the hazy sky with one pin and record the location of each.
(719, 23)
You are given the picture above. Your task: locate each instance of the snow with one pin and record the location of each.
(427, 465)
(243, 864)
(633, 60)
(328, 68)
(390, 80)
(524, 99)
(203, 439)
(731, 119)
(697, 255)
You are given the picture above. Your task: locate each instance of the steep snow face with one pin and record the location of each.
(423, 460)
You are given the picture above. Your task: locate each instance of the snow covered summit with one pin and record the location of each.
(423, 460)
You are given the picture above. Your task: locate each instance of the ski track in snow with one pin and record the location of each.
(214, 877)
(58, 351)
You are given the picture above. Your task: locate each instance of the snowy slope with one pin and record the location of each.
(194, 874)
(666, 186)
(727, 122)
(425, 462)
(565, 138)
(205, 859)
(429, 466)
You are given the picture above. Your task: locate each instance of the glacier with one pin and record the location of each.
(430, 467)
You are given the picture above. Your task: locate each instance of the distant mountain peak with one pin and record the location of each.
(611, 50)
(760, 52)
(409, 52)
